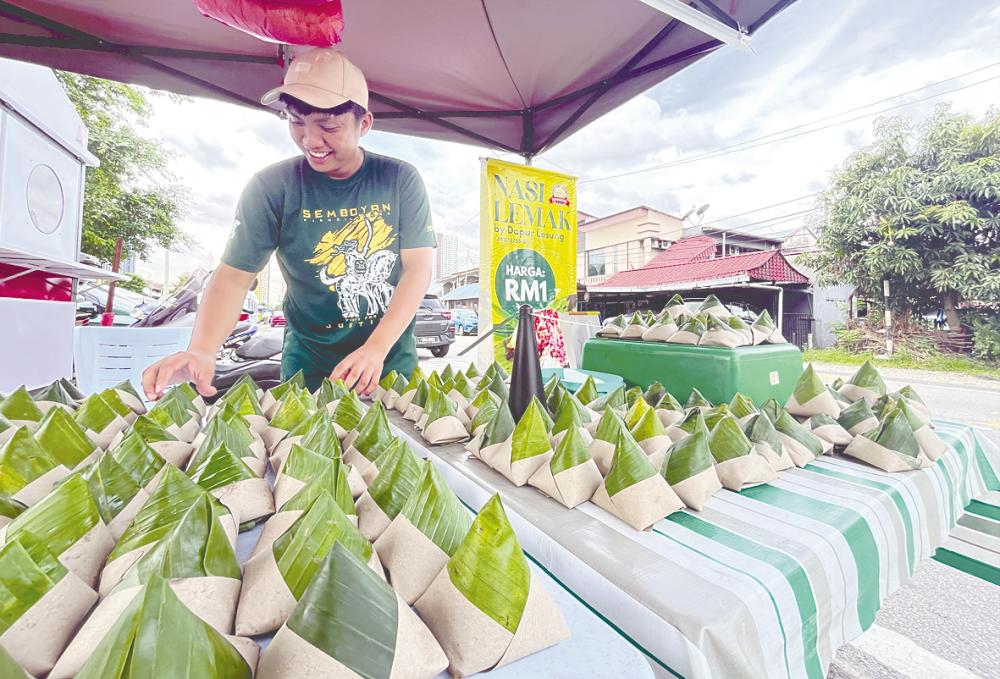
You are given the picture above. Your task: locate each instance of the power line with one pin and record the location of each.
(766, 139)
(761, 208)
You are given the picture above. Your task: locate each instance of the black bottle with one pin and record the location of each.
(526, 375)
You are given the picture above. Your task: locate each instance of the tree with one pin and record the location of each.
(131, 194)
(920, 208)
(135, 283)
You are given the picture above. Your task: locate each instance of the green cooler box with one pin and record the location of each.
(761, 372)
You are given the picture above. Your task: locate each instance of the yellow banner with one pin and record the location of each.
(527, 244)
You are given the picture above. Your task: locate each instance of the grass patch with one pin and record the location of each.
(940, 363)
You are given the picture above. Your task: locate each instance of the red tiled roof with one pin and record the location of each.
(684, 250)
(767, 265)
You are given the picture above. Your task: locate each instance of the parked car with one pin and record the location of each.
(277, 319)
(466, 321)
(434, 329)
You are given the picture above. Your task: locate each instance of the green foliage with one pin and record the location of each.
(920, 207)
(135, 283)
(986, 334)
(939, 363)
(131, 194)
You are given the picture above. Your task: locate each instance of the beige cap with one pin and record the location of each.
(323, 78)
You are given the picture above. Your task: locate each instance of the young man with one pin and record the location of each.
(353, 236)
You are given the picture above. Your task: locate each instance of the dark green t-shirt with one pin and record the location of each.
(337, 244)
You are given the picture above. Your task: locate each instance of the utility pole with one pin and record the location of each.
(888, 317)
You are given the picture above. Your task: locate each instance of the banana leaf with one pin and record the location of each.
(56, 393)
(6, 424)
(615, 399)
(322, 438)
(760, 430)
(233, 433)
(668, 402)
(911, 416)
(741, 406)
(587, 392)
(689, 456)
(330, 391)
(610, 427)
(420, 395)
(636, 412)
(306, 425)
(388, 380)
(245, 379)
(172, 409)
(71, 389)
(26, 575)
(191, 394)
(484, 396)
(10, 508)
(436, 511)
(499, 371)
(636, 318)
(546, 418)
(243, 401)
(485, 414)
(693, 325)
(550, 385)
(868, 377)
(841, 399)
(463, 386)
(497, 385)
(304, 464)
(448, 373)
(568, 414)
(773, 409)
(150, 430)
(713, 415)
(415, 379)
(126, 386)
(632, 395)
(727, 441)
(173, 497)
(738, 324)
(530, 437)
(896, 434)
(22, 461)
(398, 473)
(295, 407)
(676, 300)
(438, 406)
(571, 452)
(399, 386)
(195, 547)
(20, 407)
(764, 321)
(62, 517)
(115, 402)
(629, 465)
(472, 371)
(809, 386)
(157, 636)
(140, 461)
(296, 381)
(332, 480)
(553, 397)
(95, 414)
(696, 400)
(10, 669)
(693, 421)
(883, 405)
(715, 324)
(909, 393)
(648, 426)
(787, 425)
(711, 302)
(300, 550)
(489, 568)
(349, 411)
(374, 432)
(500, 428)
(653, 393)
(434, 380)
(822, 420)
(110, 485)
(220, 469)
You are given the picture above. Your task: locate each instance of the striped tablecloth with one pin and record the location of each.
(764, 583)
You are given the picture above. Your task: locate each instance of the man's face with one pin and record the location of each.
(329, 143)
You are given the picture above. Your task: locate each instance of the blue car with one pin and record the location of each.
(466, 321)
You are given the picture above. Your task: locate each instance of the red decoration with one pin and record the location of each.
(551, 342)
(318, 23)
(34, 285)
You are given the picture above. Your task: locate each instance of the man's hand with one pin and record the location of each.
(184, 366)
(361, 369)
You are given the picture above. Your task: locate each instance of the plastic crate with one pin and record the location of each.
(106, 356)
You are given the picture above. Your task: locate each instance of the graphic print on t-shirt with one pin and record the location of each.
(354, 261)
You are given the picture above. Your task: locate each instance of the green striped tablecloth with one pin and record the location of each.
(764, 583)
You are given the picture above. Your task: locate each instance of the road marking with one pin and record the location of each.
(896, 651)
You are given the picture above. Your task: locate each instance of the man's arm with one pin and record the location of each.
(217, 315)
(362, 368)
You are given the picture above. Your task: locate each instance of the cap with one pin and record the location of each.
(323, 78)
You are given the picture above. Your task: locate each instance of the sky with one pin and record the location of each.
(808, 66)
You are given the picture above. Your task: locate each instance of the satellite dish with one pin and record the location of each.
(688, 214)
(702, 210)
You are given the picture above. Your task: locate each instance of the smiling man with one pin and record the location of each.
(353, 235)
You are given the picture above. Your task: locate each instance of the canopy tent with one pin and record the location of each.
(517, 76)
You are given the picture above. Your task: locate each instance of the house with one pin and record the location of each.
(756, 280)
(622, 241)
(464, 297)
(833, 305)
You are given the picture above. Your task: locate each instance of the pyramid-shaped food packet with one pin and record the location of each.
(229, 429)
(424, 534)
(43, 603)
(141, 462)
(317, 434)
(392, 391)
(127, 394)
(228, 478)
(606, 434)
(496, 432)
(689, 469)
(175, 412)
(570, 413)
(801, 444)
(737, 463)
(917, 406)
(300, 467)
(416, 407)
(931, 444)
(329, 393)
(349, 623)
(156, 635)
(742, 408)
(828, 429)
(651, 436)
(865, 383)
(713, 307)
(369, 438)
(688, 332)
(275, 579)
(892, 447)
(740, 326)
(719, 334)
(482, 397)
(462, 392)
(21, 409)
(612, 327)
(296, 406)
(348, 414)
(384, 385)
(100, 422)
(271, 400)
(633, 490)
(67, 522)
(767, 442)
(811, 397)
(525, 451)
(613, 400)
(241, 399)
(488, 608)
(399, 471)
(697, 400)
(442, 420)
(195, 557)
(170, 448)
(571, 475)
(764, 330)
(9, 510)
(587, 393)
(55, 396)
(662, 330)
(858, 418)
(117, 495)
(635, 326)
(405, 396)
(669, 410)
(693, 421)
(713, 415)
(27, 471)
(196, 399)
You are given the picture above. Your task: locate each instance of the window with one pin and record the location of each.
(596, 263)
